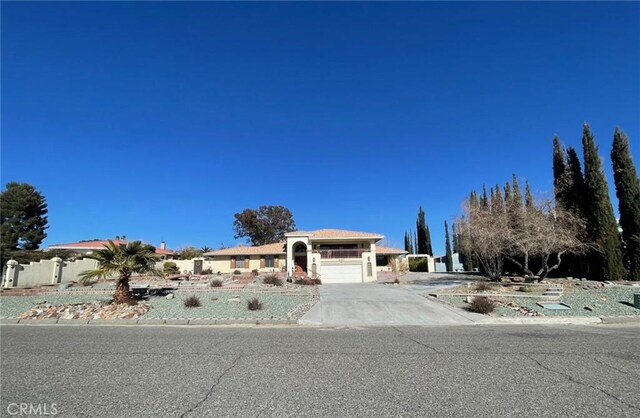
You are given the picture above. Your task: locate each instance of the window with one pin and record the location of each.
(240, 262)
(268, 261)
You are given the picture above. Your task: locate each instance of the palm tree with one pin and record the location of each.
(206, 249)
(123, 261)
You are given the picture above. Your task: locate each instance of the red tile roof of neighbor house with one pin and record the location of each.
(98, 245)
(335, 234)
(389, 250)
(275, 248)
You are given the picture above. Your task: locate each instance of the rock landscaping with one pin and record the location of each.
(162, 301)
(583, 298)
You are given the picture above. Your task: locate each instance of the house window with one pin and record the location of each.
(240, 262)
(268, 261)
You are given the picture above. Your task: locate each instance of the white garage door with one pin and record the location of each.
(341, 273)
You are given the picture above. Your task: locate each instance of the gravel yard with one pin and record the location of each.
(583, 301)
(278, 303)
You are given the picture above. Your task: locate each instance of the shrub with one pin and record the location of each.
(482, 304)
(482, 286)
(255, 272)
(526, 289)
(237, 272)
(192, 302)
(206, 271)
(215, 283)
(170, 268)
(254, 304)
(396, 281)
(272, 279)
(419, 264)
(305, 281)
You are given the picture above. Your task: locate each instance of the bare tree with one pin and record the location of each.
(546, 232)
(543, 231)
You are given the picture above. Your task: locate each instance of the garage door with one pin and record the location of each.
(341, 273)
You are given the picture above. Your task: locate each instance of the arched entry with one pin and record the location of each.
(300, 255)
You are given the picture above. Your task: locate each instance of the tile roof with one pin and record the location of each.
(98, 245)
(389, 250)
(335, 233)
(275, 248)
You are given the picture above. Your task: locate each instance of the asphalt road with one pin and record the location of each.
(474, 371)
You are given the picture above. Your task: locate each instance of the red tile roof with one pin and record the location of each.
(336, 234)
(389, 250)
(275, 248)
(98, 245)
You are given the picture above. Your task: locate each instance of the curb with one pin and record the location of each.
(570, 320)
(143, 322)
(620, 319)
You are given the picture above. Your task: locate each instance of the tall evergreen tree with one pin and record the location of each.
(562, 181)
(449, 255)
(606, 262)
(407, 243)
(455, 238)
(517, 196)
(528, 197)
(507, 193)
(423, 234)
(628, 192)
(484, 200)
(23, 218)
(576, 192)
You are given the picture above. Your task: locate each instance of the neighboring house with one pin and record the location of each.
(88, 247)
(333, 255)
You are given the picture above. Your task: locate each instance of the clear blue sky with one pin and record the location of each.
(162, 120)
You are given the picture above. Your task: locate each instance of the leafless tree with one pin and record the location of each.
(542, 231)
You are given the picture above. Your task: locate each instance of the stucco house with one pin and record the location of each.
(88, 247)
(333, 255)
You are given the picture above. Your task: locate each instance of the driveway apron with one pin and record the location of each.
(372, 304)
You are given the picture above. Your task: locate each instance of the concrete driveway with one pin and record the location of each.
(374, 304)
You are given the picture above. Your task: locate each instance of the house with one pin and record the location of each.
(88, 247)
(333, 255)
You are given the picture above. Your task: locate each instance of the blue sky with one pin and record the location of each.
(162, 120)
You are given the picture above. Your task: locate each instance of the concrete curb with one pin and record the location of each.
(620, 319)
(532, 320)
(143, 321)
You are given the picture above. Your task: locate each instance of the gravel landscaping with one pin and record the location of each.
(278, 303)
(584, 299)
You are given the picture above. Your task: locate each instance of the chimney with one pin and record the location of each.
(163, 245)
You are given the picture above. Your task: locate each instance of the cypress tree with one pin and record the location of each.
(407, 243)
(484, 200)
(429, 246)
(455, 238)
(528, 197)
(449, 255)
(606, 262)
(628, 192)
(421, 232)
(561, 174)
(576, 192)
(517, 196)
(507, 193)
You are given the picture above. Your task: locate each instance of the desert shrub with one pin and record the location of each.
(206, 271)
(192, 302)
(215, 283)
(255, 272)
(419, 264)
(396, 280)
(482, 304)
(305, 281)
(272, 279)
(170, 267)
(254, 304)
(132, 301)
(482, 286)
(526, 289)
(237, 272)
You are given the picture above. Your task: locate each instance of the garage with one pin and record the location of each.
(341, 273)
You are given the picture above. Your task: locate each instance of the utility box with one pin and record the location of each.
(636, 300)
